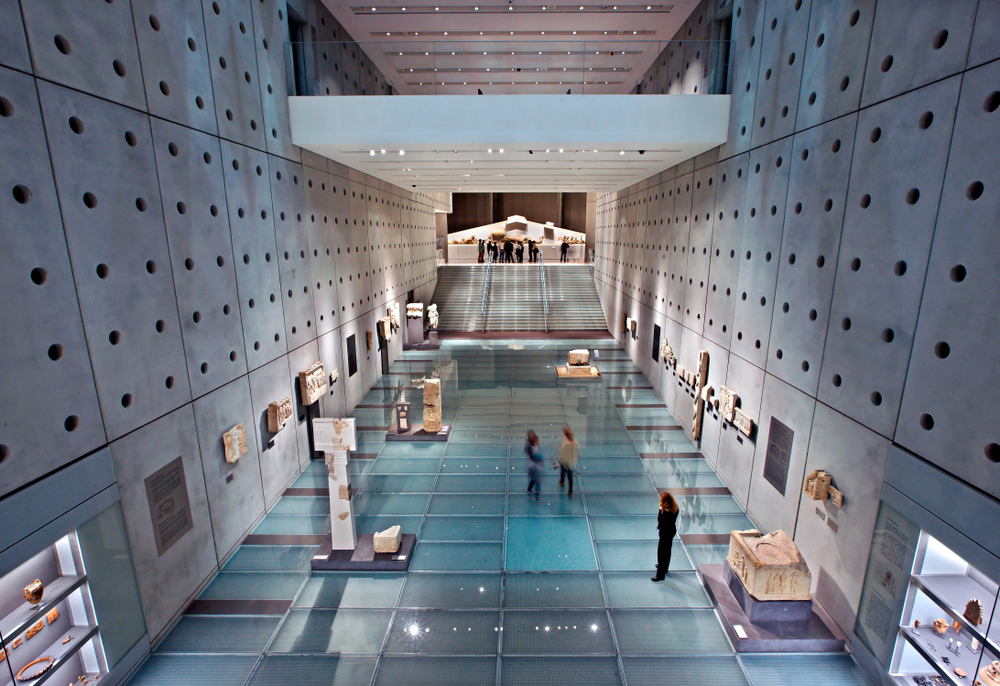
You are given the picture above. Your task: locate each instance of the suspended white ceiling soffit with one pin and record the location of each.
(508, 143)
(513, 46)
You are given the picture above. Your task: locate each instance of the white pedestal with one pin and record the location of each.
(342, 533)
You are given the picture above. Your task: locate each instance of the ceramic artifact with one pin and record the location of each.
(52, 615)
(279, 412)
(769, 566)
(940, 626)
(312, 383)
(974, 611)
(34, 629)
(432, 405)
(388, 541)
(235, 441)
(990, 674)
(33, 592)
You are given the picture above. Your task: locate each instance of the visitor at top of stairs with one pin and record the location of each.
(508, 249)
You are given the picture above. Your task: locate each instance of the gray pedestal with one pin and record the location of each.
(414, 331)
(766, 610)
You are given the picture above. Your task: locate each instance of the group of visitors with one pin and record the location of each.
(508, 251)
(569, 452)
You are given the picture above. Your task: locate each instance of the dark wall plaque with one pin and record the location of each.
(169, 508)
(656, 342)
(352, 356)
(779, 453)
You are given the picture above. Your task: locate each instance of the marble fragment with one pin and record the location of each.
(579, 357)
(278, 413)
(432, 405)
(388, 541)
(432, 316)
(312, 383)
(769, 566)
(235, 442)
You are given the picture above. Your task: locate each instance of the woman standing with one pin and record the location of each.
(667, 524)
(534, 462)
(568, 453)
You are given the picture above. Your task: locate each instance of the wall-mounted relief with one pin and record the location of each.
(235, 441)
(384, 327)
(394, 314)
(312, 383)
(334, 375)
(700, 397)
(668, 354)
(726, 403)
(278, 412)
(742, 421)
(368, 339)
(432, 405)
(818, 485)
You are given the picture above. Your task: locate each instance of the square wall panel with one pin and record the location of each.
(900, 153)
(294, 254)
(699, 245)
(944, 416)
(105, 173)
(318, 218)
(833, 66)
(13, 44)
(89, 48)
(174, 55)
(786, 23)
(169, 580)
(916, 44)
(984, 46)
(235, 495)
(41, 332)
(334, 404)
(747, 37)
(764, 210)
(814, 216)
(201, 254)
(251, 225)
(233, 61)
(727, 238)
(270, 36)
(736, 451)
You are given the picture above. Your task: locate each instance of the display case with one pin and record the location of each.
(49, 629)
(946, 634)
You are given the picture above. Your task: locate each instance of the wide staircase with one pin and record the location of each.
(515, 298)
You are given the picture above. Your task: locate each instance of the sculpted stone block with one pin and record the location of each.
(579, 370)
(415, 311)
(577, 357)
(334, 435)
(742, 421)
(818, 485)
(278, 412)
(345, 492)
(334, 375)
(368, 339)
(384, 327)
(235, 441)
(312, 383)
(432, 405)
(388, 541)
(727, 402)
(394, 314)
(836, 497)
(769, 566)
(667, 353)
(432, 317)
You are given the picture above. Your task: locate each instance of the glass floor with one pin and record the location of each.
(502, 589)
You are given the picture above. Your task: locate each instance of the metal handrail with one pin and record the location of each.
(486, 288)
(545, 293)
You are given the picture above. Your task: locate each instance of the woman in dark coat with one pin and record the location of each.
(667, 524)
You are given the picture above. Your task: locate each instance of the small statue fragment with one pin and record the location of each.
(235, 441)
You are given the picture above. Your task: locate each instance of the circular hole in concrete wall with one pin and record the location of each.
(805, 365)
(119, 68)
(38, 276)
(812, 315)
(888, 335)
(975, 190)
(126, 400)
(942, 350)
(926, 422)
(940, 39)
(845, 323)
(876, 398)
(102, 271)
(855, 264)
(160, 326)
(114, 337)
(992, 452)
(990, 104)
(899, 268)
(62, 44)
(71, 423)
(204, 367)
(55, 352)
(957, 273)
(779, 354)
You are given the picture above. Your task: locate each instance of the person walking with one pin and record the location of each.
(564, 252)
(482, 249)
(534, 464)
(568, 453)
(667, 524)
(508, 248)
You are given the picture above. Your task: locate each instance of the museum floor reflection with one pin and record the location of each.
(502, 590)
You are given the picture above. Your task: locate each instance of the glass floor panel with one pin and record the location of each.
(502, 589)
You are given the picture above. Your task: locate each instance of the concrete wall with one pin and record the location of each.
(835, 257)
(170, 261)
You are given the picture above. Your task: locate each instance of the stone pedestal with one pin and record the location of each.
(432, 405)
(342, 533)
(766, 610)
(414, 331)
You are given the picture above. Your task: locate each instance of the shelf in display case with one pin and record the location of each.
(62, 652)
(933, 646)
(18, 621)
(951, 592)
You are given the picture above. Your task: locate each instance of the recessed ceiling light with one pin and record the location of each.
(404, 9)
(560, 149)
(622, 152)
(373, 9)
(436, 9)
(402, 152)
(371, 152)
(501, 150)
(489, 150)
(574, 33)
(446, 33)
(383, 152)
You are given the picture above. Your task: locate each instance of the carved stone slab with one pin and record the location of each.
(384, 327)
(742, 421)
(668, 354)
(334, 375)
(368, 339)
(388, 541)
(394, 314)
(727, 402)
(415, 311)
(579, 357)
(235, 441)
(769, 566)
(432, 405)
(312, 383)
(818, 485)
(333, 435)
(836, 497)
(278, 412)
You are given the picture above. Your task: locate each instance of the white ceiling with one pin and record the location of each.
(511, 46)
(506, 143)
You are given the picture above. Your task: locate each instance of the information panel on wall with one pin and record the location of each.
(169, 508)
(352, 356)
(894, 545)
(656, 342)
(779, 454)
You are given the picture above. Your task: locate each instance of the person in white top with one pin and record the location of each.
(568, 454)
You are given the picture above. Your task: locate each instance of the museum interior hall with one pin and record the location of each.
(499, 344)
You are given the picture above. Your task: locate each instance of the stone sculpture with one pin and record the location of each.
(701, 377)
(384, 327)
(334, 375)
(727, 403)
(818, 485)
(394, 313)
(279, 412)
(742, 421)
(432, 405)
(432, 316)
(769, 566)
(667, 353)
(235, 441)
(415, 311)
(368, 339)
(990, 674)
(52, 615)
(579, 357)
(312, 383)
(836, 497)
(388, 541)
(335, 437)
